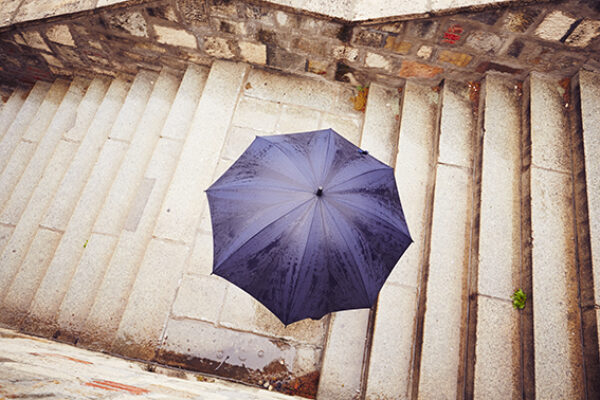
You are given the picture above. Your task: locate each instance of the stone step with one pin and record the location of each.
(446, 292)
(104, 316)
(497, 369)
(590, 117)
(19, 125)
(11, 108)
(556, 315)
(76, 232)
(153, 292)
(342, 369)
(394, 328)
(122, 105)
(20, 288)
(162, 108)
(64, 118)
(17, 161)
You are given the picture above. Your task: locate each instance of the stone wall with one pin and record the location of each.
(558, 38)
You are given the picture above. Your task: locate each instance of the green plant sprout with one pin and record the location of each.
(519, 298)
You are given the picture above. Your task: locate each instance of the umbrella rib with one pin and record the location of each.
(276, 145)
(356, 264)
(374, 215)
(297, 278)
(358, 176)
(260, 231)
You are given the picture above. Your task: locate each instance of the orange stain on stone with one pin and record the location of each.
(115, 386)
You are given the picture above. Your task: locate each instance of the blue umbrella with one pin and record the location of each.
(308, 224)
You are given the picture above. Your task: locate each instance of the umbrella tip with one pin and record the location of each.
(319, 191)
(365, 152)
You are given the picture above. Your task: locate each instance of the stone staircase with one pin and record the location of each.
(105, 238)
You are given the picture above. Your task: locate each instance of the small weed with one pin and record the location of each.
(85, 244)
(519, 298)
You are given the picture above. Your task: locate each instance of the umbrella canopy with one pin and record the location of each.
(307, 223)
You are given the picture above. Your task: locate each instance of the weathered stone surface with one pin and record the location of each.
(554, 26)
(241, 311)
(297, 119)
(392, 346)
(456, 134)
(218, 47)
(349, 128)
(35, 40)
(557, 336)
(33, 9)
(590, 93)
(50, 59)
(345, 52)
(497, 351)
(256, 114)
(130, 22)
(425, 52)
(374, 60)
(283, 59)
(193, 11)
(515, 48)
(317, 67)
(397, 45)
(380, 129)
(550, 141)
(9, 7)
(520, 20)
(419, 70)
(174, 37)
(60, 34)
(585, 32)
(422, 29)
(448, 262)
(200, 297)
(485, 42)
(458, 59)
(365, 37)
(500, 238)
(255, 53)
(342, 363)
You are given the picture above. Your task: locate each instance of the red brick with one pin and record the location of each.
(416, 69)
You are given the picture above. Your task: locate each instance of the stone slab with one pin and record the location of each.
(497, 350)
(19, 125)
(295, 119)
(557, 335)
(185, 200)
(500, 237)
(414, 174)
(87, 109)
(456, 133)
(390, 362)
(104, 315)
(380, 129)
(241, 311)
(150, 300)
(64, 263)
(256, 114)
(550, 140)
(590, 116)
(25, 230)
(124, 187)
(443, 325)
(554, 26)
(349, 128)
(312, 93)
(22, 289)
(200, 297)
(11, 108)
(64, 118)
(5, 235)
(58, 213)
(342, 368)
